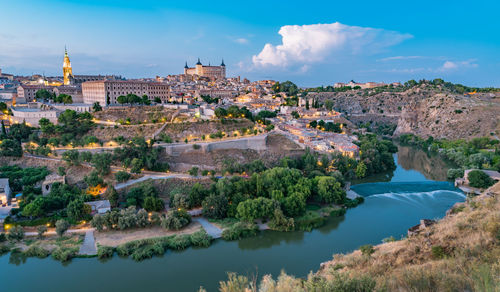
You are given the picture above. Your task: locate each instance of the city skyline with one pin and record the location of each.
(317, 45)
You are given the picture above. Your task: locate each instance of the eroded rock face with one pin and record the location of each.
(451, 117)
(424, 111)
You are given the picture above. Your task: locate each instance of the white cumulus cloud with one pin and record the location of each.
(455, 65)
(313, 43)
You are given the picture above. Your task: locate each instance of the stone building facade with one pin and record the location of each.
(106, 92)
(211, 72)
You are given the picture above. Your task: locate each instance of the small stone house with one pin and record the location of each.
(50, 180)
(5, 191)
(99, 207)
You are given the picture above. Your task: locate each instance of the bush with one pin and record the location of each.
(479, 179)
(122, 176)
(454, 173)
(201, 239)
(64, 254)
(353, 203)
(36, 251)
(438, 252)
(3, 237)
(179, 242)
(240, 230)
(16, 233)
(367, 249)
(176, 219)
(309, 221)
(61, 227)
(104, 252)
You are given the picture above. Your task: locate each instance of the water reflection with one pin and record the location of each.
(430, 165)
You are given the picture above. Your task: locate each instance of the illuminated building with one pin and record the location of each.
(67, 71)
(212, 72)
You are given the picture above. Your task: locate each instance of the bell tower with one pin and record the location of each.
(67, 71)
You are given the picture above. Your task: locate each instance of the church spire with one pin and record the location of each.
(199, 62)
(224, 65)
(186, 66)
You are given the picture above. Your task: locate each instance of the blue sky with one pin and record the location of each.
(309, 42)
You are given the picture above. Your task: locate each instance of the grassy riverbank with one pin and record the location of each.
(461, 252)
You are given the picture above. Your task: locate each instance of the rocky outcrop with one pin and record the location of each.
(451, 117)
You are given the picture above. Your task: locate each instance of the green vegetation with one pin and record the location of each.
(478, 153)
(329, 126)
(479, 179)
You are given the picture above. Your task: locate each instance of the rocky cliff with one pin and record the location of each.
(423, 110)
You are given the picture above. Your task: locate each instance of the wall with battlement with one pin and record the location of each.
(258, 143)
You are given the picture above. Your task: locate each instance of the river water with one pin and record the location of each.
(405, 196)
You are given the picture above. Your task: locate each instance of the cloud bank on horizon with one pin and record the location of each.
(312, 43)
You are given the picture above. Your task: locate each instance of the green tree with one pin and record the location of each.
(329, 104)
(112, 196)
(479, 179)
(77, 210)
(215, 206)
(329, 190)
(122, 99)
(98, 222)
(61, 227)
(102, 163)
(41, 230)
(136, 165)
(44, 94)
(46, 126)
(193, 171)
(153, 204)
(10, 147)
(361, 170)
(16, 233)
(97, 107)
(122, 176)
(61, 171)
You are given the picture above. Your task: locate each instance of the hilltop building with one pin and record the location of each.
(106, 92)
(212, 72)
(70, 79)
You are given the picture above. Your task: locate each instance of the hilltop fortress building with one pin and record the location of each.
(212, 72)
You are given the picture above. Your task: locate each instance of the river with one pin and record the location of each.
(390, 208)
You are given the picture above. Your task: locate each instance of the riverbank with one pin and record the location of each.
(461, 252)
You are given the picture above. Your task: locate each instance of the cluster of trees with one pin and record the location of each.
(62, 201)
(132, 217)
(208, 99)
(71, 127)
(477, 153)
(23, 177)
(288, 87)
(145, 196)
(133, 99)
(11, 142)
(376, 154)
(455, 88)
(46, 95)
(479, 179)
(328, 126)
(233, 112)
(259, 196)
(138, 154)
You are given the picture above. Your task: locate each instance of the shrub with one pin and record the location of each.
(438, 252)
(179, 242)
(240, 230)
(176, 219)
(367, 249)
(104, 252)
(479, 179)
(454, 173)
(61, 227)
(201, 239)
(36, 251)
(41, 230)
(196, 146)
(64, 254)
(122, 176)
(16, 233)
(3, 237)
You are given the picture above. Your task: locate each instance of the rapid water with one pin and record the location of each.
(390, 208)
